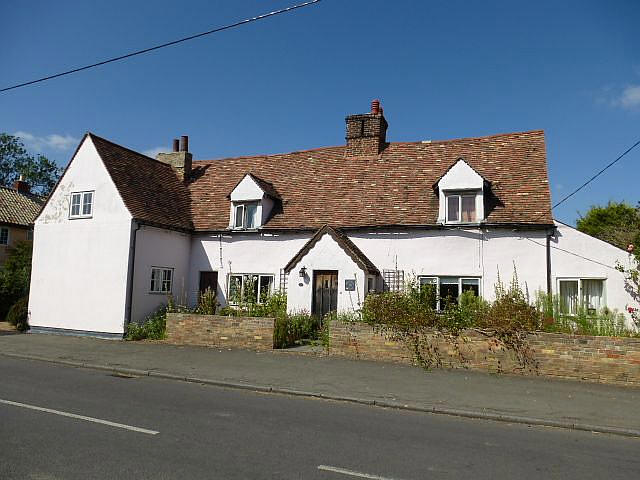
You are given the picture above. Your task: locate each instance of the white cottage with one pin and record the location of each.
(122, 231)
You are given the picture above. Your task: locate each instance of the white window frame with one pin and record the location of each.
(154, 284)
(5, 229)
(244, 218)
(243, 277)
(437, 283)
(460, 195)
(83, 203)
(580, 280)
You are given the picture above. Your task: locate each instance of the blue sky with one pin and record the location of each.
(442, 69)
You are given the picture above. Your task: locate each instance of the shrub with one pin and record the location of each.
(291, 329)
(207, 302)
(153, 328)
(18, 314)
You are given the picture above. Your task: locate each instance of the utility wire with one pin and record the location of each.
(567, 197)
(168, 44)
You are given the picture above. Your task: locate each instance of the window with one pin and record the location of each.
(161, 279)
(581, 292)
(81, 205)
(448, 289)
(246, 216)
(250, 288)
(4, 236)
(30, 235)
(393, 280)
(461, 208)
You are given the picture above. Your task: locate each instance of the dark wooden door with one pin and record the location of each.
(209, 280)
(325, 292)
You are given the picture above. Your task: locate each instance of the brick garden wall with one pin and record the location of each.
(596, 359)
(213, 330)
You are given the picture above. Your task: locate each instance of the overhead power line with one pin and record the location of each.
(168, 44)
(567, 197)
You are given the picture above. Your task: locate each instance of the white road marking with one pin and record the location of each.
(80, 417)
(344, 471)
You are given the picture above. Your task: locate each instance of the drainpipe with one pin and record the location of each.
(131, 271)
(550, 233)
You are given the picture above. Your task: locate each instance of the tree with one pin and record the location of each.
(40, 172)
(15, 276)
(616, 223)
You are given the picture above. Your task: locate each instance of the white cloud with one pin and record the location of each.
(152, 152)
(47, 142)
(629, 98)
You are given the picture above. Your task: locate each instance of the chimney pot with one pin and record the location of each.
(21, 186)
(184, 143)
(375, 106)
(176, 145)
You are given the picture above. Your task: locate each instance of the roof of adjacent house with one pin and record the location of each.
(345, 243)
(19, 208)
(150, 189)
(395, 188)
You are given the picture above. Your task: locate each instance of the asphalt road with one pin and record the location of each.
(207, 432)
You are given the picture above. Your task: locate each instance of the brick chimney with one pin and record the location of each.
(180, 159)
(21, 186)
(367, 132)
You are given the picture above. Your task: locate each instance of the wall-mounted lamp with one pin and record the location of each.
(303, 272)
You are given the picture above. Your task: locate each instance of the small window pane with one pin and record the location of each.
(4, 236)
(75, 204)
(87, 203)
(266, 284)
(154, 279)
(471, 284)
(469, 208)
(569, 296)
(239, 223)
(235, 288)
(251, 214)
(453, 208)
(592, 295)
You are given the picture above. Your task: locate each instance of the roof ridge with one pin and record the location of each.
(91, 134)
(415, 142)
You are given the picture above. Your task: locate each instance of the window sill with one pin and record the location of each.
(80, 217)
(159, 293)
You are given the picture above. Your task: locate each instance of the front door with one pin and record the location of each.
(209, 280)
(325, 292)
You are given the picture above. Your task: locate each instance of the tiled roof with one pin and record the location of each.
(345, 243)
(150, 189)
(18, 208)
(323, 186)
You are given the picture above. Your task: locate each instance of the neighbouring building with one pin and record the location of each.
(122, 231)
(18, 210)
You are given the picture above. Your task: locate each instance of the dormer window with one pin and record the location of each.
(252, 200)
(461, 208)
(246, 216)
(461, 195)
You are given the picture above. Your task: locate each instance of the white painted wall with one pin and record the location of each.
(79, 271)
(578, 255)
(157, 247)
(326, 254)
(460, 253)
(241, 253)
